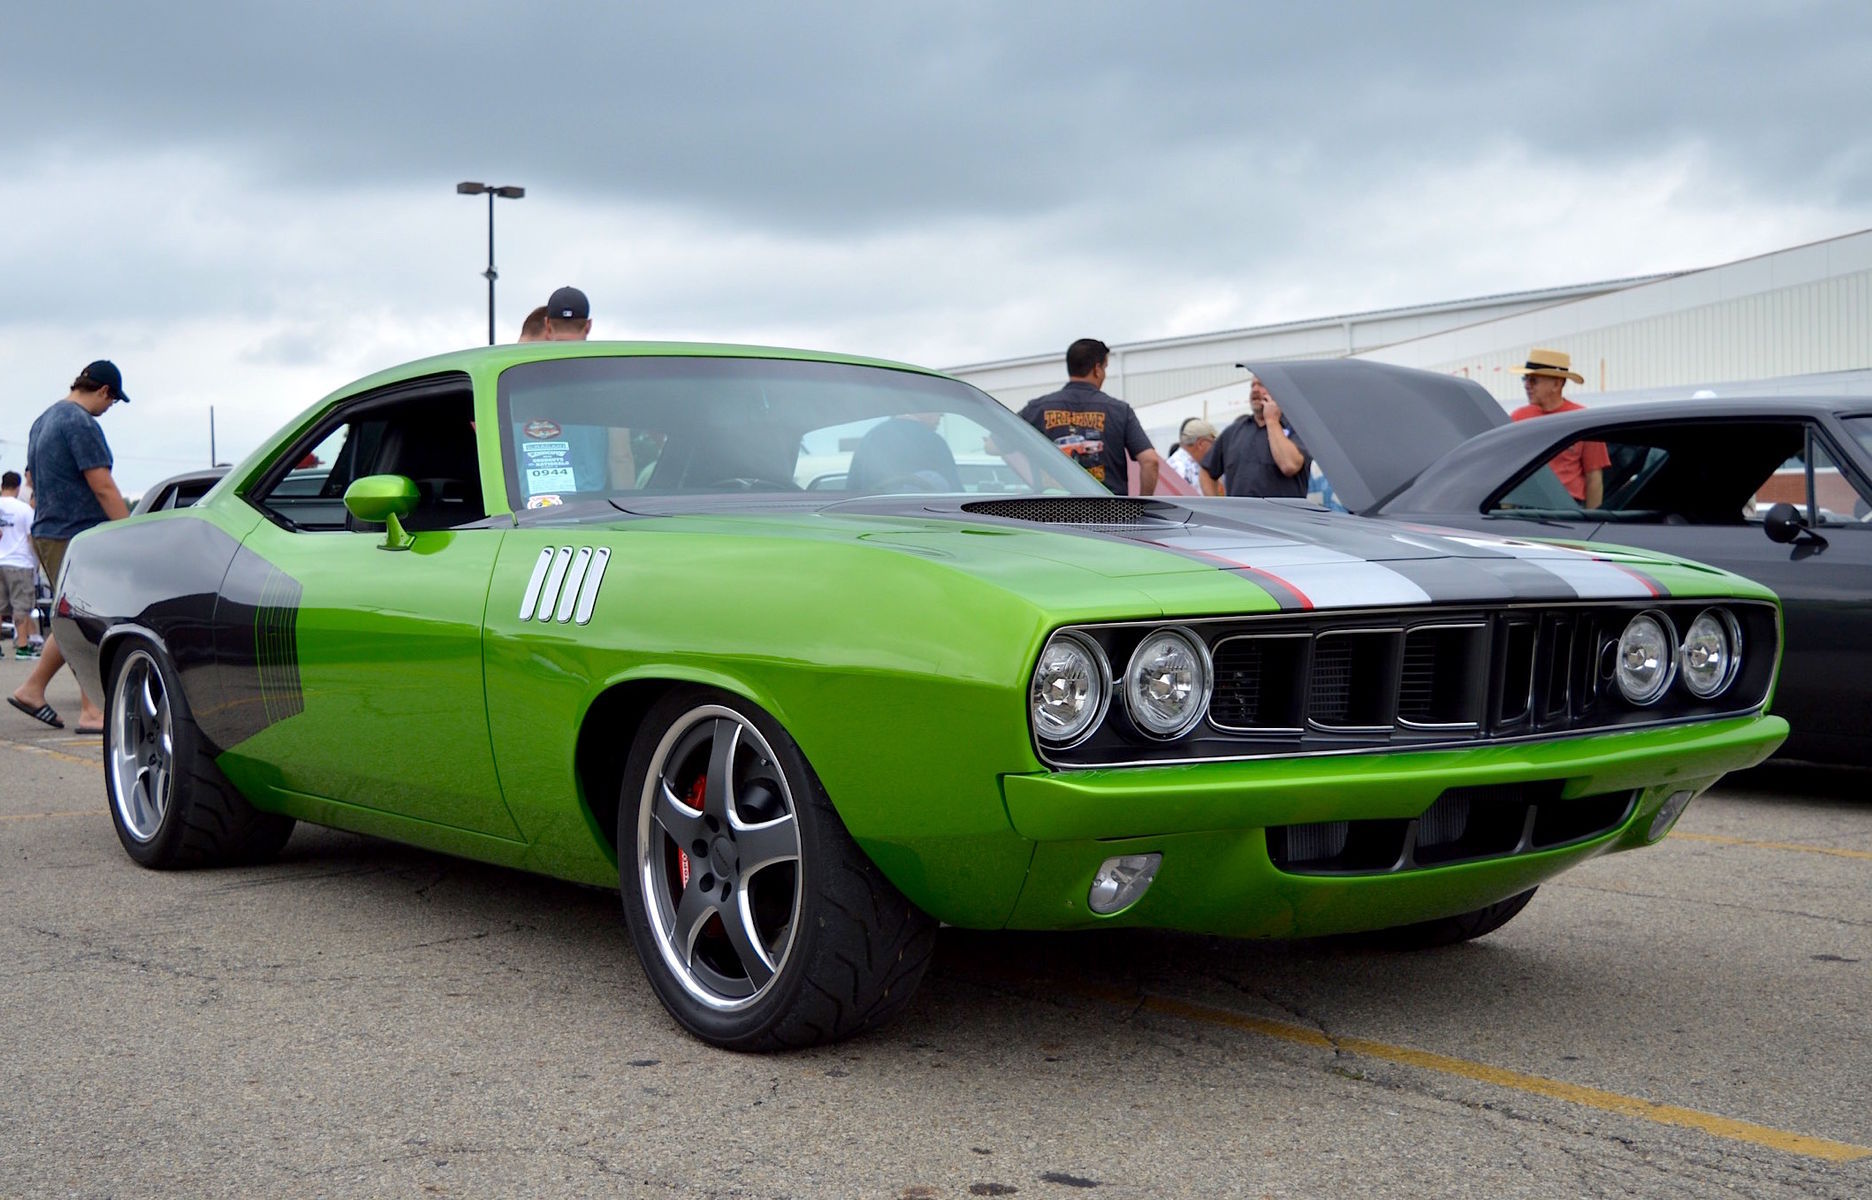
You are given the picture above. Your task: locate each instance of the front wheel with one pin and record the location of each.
(759, 922)
(171, 805)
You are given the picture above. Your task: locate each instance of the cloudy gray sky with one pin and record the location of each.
(247, 205)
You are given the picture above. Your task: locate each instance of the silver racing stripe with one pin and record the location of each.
(1323, 577)
(1590, 576)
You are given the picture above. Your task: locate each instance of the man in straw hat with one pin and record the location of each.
(1581, 466)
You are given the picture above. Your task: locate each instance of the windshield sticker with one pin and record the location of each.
(546, 501)
(547, 466)
(540, 429)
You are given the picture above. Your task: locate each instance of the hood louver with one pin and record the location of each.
(1081, 510)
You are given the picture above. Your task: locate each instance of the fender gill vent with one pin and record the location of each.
(1078, 510)
(564, 584)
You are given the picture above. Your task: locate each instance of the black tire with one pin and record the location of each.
(1463, 927)
(171, 805)
(821, 945)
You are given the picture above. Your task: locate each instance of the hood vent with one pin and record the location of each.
(1080, 510)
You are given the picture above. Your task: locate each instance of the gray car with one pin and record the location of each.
(1775, 488)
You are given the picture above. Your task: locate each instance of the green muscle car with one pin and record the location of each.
(732, 630)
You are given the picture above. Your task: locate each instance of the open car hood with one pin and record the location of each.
(1371, 426)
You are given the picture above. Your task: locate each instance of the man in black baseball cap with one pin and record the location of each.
(101, 374)
(568, 316)
(68, 463)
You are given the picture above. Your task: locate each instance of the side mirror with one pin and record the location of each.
(1783, 523)
(386, 499)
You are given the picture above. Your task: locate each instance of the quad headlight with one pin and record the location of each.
(1071, 687)
(1167, 682)
(1646, 658)
(1711, 653)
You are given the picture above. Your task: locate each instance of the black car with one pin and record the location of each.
(1775, 488)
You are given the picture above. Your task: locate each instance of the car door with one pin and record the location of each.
(1700, 490)
(377, 698)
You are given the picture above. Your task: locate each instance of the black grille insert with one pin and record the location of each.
(1354, 673)
(1437, 685)
(1260, 682)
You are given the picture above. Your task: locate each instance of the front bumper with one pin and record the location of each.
(1209, 822)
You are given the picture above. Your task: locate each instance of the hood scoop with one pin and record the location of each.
(1107, 511)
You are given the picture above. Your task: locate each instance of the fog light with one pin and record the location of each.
(1121, 882)
(1668, 814)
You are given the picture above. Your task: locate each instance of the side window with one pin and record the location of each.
(1834, 500)
(1831, 499)
(427, 436)
(1584, 475)
(310, 496)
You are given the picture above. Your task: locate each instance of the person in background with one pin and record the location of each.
(68, 464)
(1194, 440)
(1581, 466)
(1258, 455)
(559, 459)
(568, 316)
(18, 568)
(1099, 432)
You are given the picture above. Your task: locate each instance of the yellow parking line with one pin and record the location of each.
(93, 761)
(1590, 1097)
(1718, 840)
(41, 816)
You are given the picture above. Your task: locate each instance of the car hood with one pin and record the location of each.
(1371, 426)
(1194, 556)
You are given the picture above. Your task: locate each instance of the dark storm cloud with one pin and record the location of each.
(818, 118)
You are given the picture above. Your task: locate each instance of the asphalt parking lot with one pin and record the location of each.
(361, 1019)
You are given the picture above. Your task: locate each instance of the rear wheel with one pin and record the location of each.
(171, 805)
(1427, 935)
(760, 923)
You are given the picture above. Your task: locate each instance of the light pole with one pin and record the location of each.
(511, 193)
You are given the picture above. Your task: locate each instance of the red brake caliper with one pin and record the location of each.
(712, 926)
(694, 800)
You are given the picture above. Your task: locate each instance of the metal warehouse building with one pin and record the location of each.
(1797, 321)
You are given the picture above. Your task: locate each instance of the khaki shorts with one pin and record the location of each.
(51, 552)
(16, 590)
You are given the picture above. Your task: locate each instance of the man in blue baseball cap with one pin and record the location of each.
(68, 464)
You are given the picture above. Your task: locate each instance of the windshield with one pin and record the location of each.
(601, 428)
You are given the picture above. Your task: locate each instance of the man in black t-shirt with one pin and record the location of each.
(1259, 455)
(1097, 431)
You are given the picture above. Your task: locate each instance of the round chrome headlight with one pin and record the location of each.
(1166, 684)
(1711, 653)
(1071, 687)
(1647, 658)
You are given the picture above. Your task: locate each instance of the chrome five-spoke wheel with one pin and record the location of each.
(142, 746)
(718, 857)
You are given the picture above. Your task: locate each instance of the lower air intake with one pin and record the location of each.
(1472, 824)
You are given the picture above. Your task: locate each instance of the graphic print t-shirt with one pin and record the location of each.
(1095, 430)
(16, 522)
